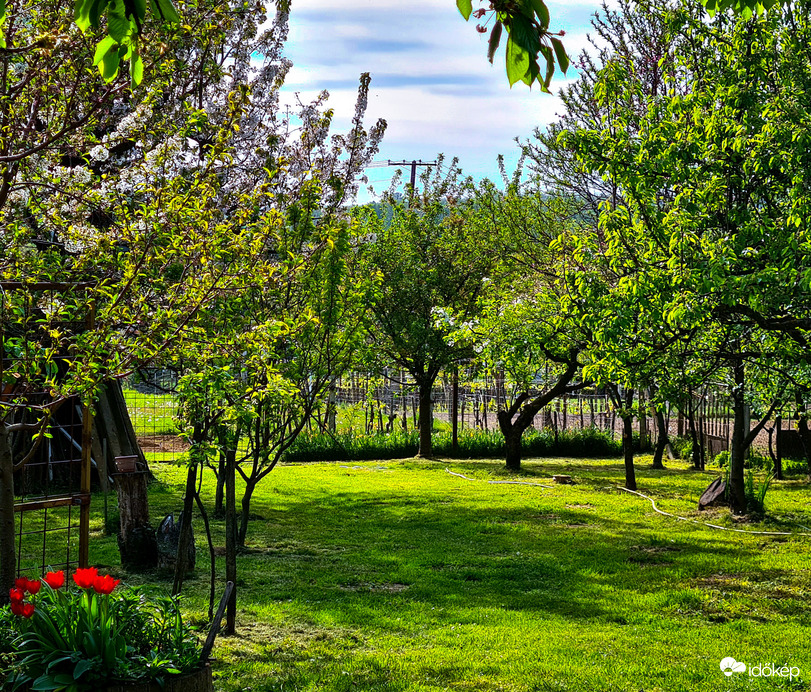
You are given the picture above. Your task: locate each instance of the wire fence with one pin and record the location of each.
(366, 403)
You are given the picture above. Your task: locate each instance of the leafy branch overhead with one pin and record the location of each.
(745, 8)
(125, 20)
(528, 38)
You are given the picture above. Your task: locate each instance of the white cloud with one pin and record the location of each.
(430, 77)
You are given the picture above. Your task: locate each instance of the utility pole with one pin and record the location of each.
(413, 165)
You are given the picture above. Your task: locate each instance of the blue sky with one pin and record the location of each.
(430, 77)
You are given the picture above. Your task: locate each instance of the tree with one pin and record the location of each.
(135, 204)
(525, 334)
(710, 233)
(428, 258)
(529, 38)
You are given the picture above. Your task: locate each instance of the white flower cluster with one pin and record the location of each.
(80, 237)
(99, 153)
(78, 175)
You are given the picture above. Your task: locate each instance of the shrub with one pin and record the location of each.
(683, 447)
(755, 493)
(473, 444)
(722, 458)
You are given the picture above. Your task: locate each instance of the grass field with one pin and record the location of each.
(399, 576)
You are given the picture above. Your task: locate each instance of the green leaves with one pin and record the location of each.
(107, 58)
(2, 21)
(166, 11)
(465, 8)
(744, 8)
(529, 39)
(124, 22)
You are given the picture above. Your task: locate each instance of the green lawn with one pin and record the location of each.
(400, 576)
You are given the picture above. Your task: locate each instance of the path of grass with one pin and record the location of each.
(398, 576)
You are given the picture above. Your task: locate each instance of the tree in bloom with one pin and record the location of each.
(157, 202)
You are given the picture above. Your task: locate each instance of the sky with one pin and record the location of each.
(431, 80)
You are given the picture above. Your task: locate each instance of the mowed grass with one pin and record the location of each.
(397, 576)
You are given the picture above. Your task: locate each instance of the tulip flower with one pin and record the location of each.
(21, 583)
(25, 610)
(85, 577)
(105, 584)
(56, 580)
(16, 595)
(33, 586)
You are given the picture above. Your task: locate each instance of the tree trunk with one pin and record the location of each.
(8, 558)
(231, 538)
(628, 440)
(737, 495)
(219, 492)
(696, 447)
(250, 485)
(455, 413)
(426, 418)
(661, 440)
(512, 444)
(185, 538)
(137, 542)
(514, 421)
(805, 438)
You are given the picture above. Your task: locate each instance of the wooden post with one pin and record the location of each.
(455, 411)
(778, 457)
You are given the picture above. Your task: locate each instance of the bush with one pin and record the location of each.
(757, 460)
(722, 458)
(473, 444)
(683, 447)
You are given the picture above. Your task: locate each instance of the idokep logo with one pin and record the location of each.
(763, 670)
(729, 666)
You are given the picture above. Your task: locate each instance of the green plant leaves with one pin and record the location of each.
(107, 58)
(165, 10)
(124, 19)
(560, 53)
(517, 63)
(465, 8)
(2, 21)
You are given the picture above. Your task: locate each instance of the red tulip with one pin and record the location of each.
(105, 584)
(17, 607)
(21, 583)
(27, 610)
(33, 586)
(16, 595)
(56, 580)
(85, 577)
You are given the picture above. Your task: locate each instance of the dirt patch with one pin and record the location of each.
(656, 549)
(162, 443)
(721, 581)
(545, 517)
(374, 588)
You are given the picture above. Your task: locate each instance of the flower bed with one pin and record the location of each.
(92, 636)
